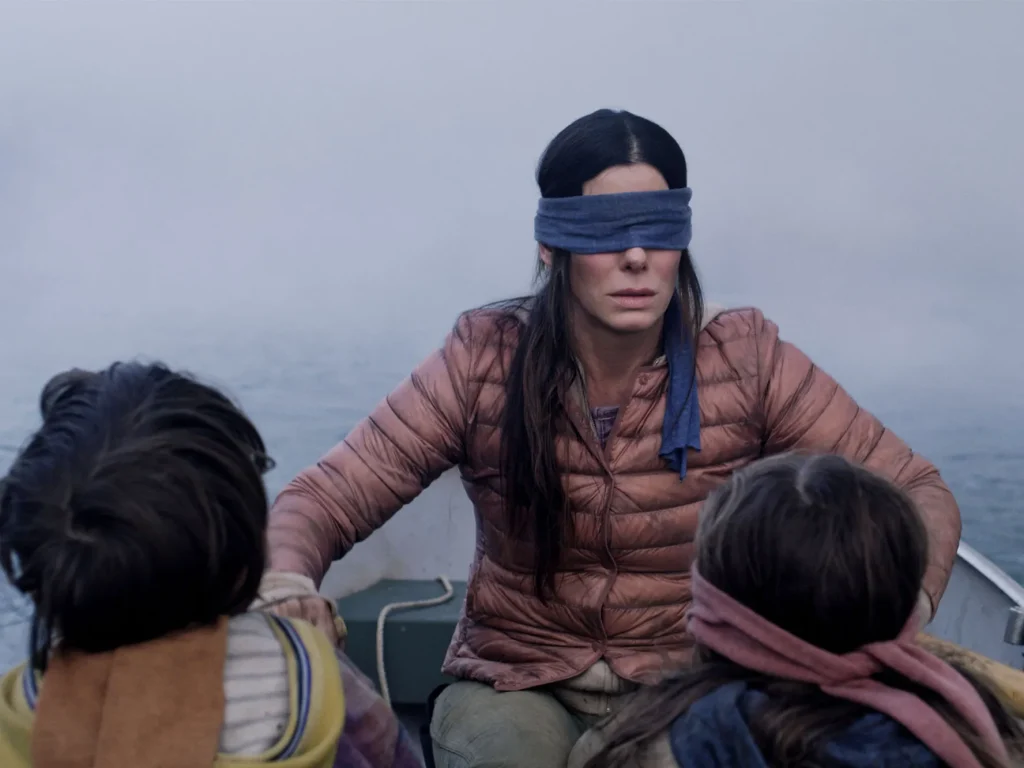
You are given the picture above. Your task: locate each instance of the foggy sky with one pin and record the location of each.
(365, 171)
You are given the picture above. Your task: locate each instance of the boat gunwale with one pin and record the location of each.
(991, 572)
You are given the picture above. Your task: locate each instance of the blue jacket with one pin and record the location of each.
(714, 734)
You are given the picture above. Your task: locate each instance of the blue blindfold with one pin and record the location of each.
(612, 223)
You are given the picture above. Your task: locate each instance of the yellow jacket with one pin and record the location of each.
(316, 719)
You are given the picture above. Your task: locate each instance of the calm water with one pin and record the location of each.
(307, 401)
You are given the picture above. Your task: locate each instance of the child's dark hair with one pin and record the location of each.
(830, 552)
(136, 510)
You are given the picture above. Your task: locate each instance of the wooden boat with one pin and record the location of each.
(980, 620)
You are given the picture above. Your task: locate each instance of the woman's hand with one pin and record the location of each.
(295, 596)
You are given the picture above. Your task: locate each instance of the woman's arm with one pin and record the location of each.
(408, 441)
(805, 409)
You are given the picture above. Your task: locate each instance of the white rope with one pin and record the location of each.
(382, 677)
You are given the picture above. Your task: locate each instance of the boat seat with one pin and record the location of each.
(415, 639)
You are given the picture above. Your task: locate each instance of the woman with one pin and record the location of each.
(589, 423)
(135, 521)
(808, 659)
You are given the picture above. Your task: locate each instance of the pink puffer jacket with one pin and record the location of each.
(624, 583)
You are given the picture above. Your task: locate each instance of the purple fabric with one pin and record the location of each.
(372, 737)
(604, 420)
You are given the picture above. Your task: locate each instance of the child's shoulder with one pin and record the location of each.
(16, 716)
(290, 668)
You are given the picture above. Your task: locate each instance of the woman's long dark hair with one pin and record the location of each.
(137, 509)
(543, 368)
(829, 552)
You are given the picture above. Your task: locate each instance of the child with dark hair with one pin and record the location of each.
(804, 615)
(135, 520)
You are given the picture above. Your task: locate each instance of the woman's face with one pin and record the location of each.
(628, 291)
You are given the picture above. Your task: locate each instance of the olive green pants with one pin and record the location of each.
(474, 726)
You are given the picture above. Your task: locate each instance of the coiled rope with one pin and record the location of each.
(382, 677)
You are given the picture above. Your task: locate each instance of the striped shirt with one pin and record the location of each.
(255, 687)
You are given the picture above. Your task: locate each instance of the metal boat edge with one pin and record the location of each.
(992, 572)
(982, 609)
